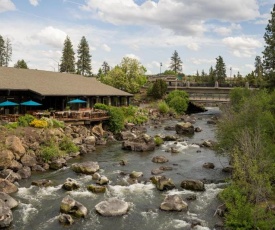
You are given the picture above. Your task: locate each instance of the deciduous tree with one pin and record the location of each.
(2, 51)
(105, 68)
(8, 52)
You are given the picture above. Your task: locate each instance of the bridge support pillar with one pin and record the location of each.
(188, 84)
(216, 84)
(247, 85)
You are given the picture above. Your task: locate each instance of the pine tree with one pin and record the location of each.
(2, 51)
(8, 52)
(21, 64)
(67, 59)
(258, 67)
(84, 58)
(105, 68)
(220, 70)
(176, 63)
(269, 54)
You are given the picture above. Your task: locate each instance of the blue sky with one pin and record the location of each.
(200, 31)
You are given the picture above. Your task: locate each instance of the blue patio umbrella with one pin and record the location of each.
(76, 101)
(30, 103)
(8, 103)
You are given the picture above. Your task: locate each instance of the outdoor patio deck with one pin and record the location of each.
(86, 116)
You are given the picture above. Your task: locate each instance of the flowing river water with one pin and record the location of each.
(39, 207)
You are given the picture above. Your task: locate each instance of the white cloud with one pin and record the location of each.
(182, 16)
(106, 48)
(34, 2)
(250, 66)
(6, 5)
(133, 56)
(225, 31)
(199, 61)
(242, 46)
(51, 36)
(193, 46)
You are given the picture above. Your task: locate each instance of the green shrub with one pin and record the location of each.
(178, 100)
(179, 104)
(12, 125)
(101, 106)
(116, 121)
(163, 107)
(25, 120)
(49, 152)
(158, 89)
(158, 141)
(68, 146)
(58, 124)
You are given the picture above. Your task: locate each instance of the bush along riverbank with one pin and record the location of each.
(39, 145)
(246, 134)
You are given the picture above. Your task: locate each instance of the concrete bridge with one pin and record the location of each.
(202, 93)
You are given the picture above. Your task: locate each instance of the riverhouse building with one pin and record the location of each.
(53, 90)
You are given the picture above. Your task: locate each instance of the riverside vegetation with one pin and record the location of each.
(246, 133)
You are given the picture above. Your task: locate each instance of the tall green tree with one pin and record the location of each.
(269, 54)
(21, 64)
(8, 52)
(128, 76)
(176, 63)
(67, 59)
(105, 68)
(220, 70)
(258, 67)
(2, 51)
(83, 64)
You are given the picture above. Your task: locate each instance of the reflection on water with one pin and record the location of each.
(39, 207)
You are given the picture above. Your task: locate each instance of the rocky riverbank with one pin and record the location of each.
(21, 155)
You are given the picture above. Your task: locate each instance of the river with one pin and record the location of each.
(39, 207)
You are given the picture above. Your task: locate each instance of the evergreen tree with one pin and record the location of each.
(84, 58)
(2, 51)
(8, 52)
(211, 75)
(105, 68)
(220, 70)
(176, 63)
(258, 67)
(21, 64)
(269, 54)
(67, 59)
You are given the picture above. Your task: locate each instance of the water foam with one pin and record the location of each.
(27, 212)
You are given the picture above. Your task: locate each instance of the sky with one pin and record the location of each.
(148, 30)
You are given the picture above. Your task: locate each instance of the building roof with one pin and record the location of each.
(48, 83)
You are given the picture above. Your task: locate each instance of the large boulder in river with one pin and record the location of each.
(65, 219)
(96, 188)
(194, 185)
(140, 144)
(164, 183)
(70, 184)
(24, 172)
(88, 167)
(160, 159)
(185, 128)
(6, 158)
(112, 207)
(70, 206)
(8, 200)
(6, 216)
(10, 175)
(58, 163)
(173, 203)
(15, 145)
(7, 187)
(42, 183)
(125, 135)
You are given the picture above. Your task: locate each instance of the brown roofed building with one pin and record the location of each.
(54, 89)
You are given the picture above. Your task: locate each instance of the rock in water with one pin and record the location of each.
(89, 167)
(8, 200)
(112, 207)
(194, 185)
(70, 184)
(6, 216)
(7, 187)
(173, 203)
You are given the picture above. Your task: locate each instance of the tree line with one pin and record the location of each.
(5, 51)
